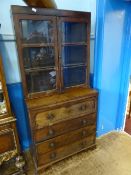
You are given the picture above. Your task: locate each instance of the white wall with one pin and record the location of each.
(7, 38)
(7, 42)
(80, 5)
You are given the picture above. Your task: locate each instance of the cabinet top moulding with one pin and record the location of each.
(48, 12)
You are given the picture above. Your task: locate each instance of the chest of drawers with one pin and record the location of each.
(62, 125)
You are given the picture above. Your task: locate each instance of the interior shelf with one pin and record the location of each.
(74, 44)
(38, 45)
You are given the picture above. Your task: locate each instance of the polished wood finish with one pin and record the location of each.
(9, 144)
(41, 3)
(6, 140)
(65, 139)
(62, 120)
(64, 127)
(8, 137)
(129, 116)
(69, 95)
(67, 111)
(44, 159)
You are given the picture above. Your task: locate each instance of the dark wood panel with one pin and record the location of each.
(70, 137)
(64, 127)
(62, 152)
(7, 142)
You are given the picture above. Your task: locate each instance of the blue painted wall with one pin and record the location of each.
(112, 62)
(10, 59)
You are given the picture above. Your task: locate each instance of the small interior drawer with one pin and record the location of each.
(65, 112)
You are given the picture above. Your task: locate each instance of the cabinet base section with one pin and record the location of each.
(41, 169)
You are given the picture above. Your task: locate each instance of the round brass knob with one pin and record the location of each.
(53, 156)
(84, 122)
(84, 133)
(51, 132)
(50, 116)
(83, 107)
(83, 144)
(52, 144)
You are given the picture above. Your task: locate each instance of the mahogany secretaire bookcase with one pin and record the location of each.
(54, 56)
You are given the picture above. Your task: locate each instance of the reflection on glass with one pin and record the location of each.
(74, 54)
(74, 32)
(74, 75)
(37, 31)
(41, 81)
(38, 57)
(2, 101)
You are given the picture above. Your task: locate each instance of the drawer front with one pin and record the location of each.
(7, 140)
(58, 154)
(64, 127)
(70, 137)
(63, 113)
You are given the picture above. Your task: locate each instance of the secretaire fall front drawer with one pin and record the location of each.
(49, 132)
(64, 112)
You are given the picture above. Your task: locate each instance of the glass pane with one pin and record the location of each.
(3, 109)
(37, 31)
(74, 54)
(41, 81)
(74, 76)
(38, 57)
(74, 32)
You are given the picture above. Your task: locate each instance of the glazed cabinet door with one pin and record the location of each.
(37, 46)
(74, 36)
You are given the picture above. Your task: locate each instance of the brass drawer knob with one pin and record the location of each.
(83, 107)
(50, 116)
(84, 133)
(83, 145)
(52, 144)
(52, 156)
(51, 132)
(84, 122)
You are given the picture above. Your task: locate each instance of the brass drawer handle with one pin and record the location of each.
(51, 132)
(52, 145)
(83, 107)
(52, 156)
(83, 145)
(84, 133)
(50, 116)
(84, 122)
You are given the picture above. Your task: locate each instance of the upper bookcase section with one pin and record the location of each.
(53, 48)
